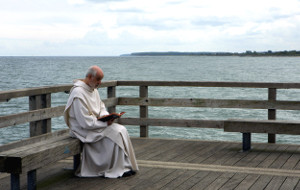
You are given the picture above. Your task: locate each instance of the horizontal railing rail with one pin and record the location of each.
(41, 114)
(40, 110)
(9, 94)
(211, 103)
(173, 122)
(211, 84)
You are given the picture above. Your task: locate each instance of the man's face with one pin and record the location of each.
(95, 82)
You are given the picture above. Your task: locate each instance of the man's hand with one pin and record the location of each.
(109, 122)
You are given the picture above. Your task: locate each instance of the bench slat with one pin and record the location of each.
(263, 126)
(39, 156)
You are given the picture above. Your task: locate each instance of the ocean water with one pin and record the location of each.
(26, 72)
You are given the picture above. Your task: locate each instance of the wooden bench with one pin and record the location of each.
(261, 126)
(33, 153)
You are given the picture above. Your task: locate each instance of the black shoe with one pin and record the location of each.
(129, 173)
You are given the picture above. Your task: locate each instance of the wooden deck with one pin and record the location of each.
(188, 164)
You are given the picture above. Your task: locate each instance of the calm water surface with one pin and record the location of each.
(26, 72)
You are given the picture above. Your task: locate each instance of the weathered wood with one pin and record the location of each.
(247, 182)
(290, 183)
(30, 116)
(172, 122)
(38, 156)
(40, 114)
(39, 102)
(211, 103)
(34, 153)
(111, 93)
(109, 102)
(221, 181)
(9, 94)
(163, 170)
(144, 130)
(272, 93)
(263, 126)
(210, 84)
(36, 145)
(143, 102)
(40, 138)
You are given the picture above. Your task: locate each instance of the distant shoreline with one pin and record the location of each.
(292, 53)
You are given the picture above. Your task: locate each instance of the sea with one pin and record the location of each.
(27, 72)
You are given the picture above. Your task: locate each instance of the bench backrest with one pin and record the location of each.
(263, 126)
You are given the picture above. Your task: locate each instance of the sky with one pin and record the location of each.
(115, 27)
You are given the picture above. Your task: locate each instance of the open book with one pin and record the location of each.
(110, 116)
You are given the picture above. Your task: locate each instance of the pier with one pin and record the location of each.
(187, 164)
(168, 163)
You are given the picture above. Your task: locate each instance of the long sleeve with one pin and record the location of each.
(83, 117)
(103, 110)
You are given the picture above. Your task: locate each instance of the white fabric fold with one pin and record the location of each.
(107, 150)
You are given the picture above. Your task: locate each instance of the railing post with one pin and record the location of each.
(144, 131)
(272, 113)
(111, 93)
(40, 102)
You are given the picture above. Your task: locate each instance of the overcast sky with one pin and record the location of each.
(114, 27)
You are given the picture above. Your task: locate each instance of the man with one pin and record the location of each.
(107, 149)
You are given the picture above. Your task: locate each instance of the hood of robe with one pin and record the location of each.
(79, 82)
(83, 85)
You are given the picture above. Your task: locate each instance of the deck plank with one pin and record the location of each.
(187, 164)
(220, 153)
(174, 184)
(282, 158)
(220, 181)
(261, 156)
(207, 180)
(290, 183)
(168, 179)
(247, 182)
(208, 152)
(275, 183)
(234, 181)
(261, 182)
(189, 183)
(272, 157)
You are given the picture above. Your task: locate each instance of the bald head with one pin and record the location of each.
(94, 76)
(94, 70)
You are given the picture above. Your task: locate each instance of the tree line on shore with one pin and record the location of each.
(246, 53)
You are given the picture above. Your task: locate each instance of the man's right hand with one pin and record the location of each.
(109, 122)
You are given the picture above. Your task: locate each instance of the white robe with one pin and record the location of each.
(107, 150)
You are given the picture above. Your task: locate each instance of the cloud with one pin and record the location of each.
(105, 1)
(108, 27)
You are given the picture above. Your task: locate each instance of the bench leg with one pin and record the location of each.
(246, 141)
(76, 161)
(31, 180)
(15, 182)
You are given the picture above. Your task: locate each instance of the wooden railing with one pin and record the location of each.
(40, 110)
